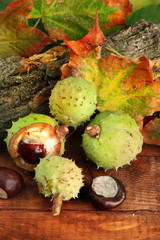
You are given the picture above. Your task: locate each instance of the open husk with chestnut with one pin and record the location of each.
(34, 137)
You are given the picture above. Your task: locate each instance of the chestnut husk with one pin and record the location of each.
(57, 134)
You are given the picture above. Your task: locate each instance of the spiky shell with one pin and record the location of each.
(73, 101)
(27, 120)
(119, 141)
(59, 176)
(40, 127)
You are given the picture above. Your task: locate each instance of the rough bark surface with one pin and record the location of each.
(140, 39)
(21, 94)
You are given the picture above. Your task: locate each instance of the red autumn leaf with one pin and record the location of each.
(93, 39)
(16, 37)
(81, 48)
(137, 79)
(119, 16)
(37, 42)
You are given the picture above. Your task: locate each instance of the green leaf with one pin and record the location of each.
(70, 19)
(4, 4)
(149, 13)
(136, 5)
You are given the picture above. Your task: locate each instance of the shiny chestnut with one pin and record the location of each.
(107, 192)
(36, 141)
(11, 182)
(31, 150)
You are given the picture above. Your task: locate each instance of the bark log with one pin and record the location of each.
(140, 39)
(21, 94)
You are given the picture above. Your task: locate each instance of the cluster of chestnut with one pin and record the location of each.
(105, 192)
(36, 141)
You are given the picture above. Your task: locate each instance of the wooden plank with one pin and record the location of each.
(141, 180)
(79, 225)
(28, 215)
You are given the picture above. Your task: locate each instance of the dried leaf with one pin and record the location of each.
(49, 56)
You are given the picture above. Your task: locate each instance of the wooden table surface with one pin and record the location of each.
(28, 215)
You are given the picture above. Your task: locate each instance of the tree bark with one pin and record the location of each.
(140, 39)
(28, 92)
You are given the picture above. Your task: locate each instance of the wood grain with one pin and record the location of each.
(28, 215)
(78, 225)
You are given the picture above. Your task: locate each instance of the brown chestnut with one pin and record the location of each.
(31, 150)
(36, 141)
(107, 192)
(11, 182)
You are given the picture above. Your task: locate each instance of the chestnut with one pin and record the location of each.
(36, 141)
(11, 182)
(107, 192)
(31, 150)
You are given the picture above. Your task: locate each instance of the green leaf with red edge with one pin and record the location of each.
(93, 39)
(72, 19)
(16, 37)
(122, 83)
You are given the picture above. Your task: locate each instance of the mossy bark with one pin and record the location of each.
(21, 94)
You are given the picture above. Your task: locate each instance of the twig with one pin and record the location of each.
(57, 204)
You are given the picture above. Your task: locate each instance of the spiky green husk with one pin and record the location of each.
(73, 101)
(27, 120)
(59, 175)
(119, 141)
